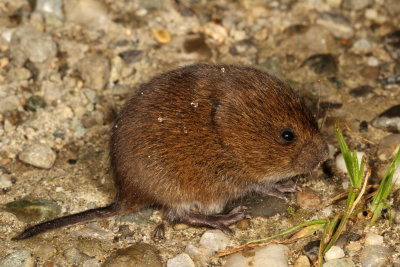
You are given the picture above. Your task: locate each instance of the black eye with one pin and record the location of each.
(287, 135)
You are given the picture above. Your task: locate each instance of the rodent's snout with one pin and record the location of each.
(313, 154)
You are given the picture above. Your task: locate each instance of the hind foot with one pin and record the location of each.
(216, 221)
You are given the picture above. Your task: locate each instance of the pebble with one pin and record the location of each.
(34, 103)
(33, 210)
(392, 80)
(339, 263)
(44, 251)
(392, 43)
(307, 198)
(361, 46)
(91, 263)
(389, 120)
(375, 256)
(37, 46)
(18, 74)
(373, 239)
(74, 256)
(340, 163)
(18, 258)
(140, 254)
(311, 249)
(333, 253)
(9, 103)
(5, 181)
(302, 261)
(182, 260)
(337, 24)
(93, 231)
(357, 4)
(52, 7)
(321, 63)
(89, 13)
(354, 246)
(38, 155)
(214, 240)
(95, 71)
(271, 255)
(361, 91)
(161, 36)
(131, 56)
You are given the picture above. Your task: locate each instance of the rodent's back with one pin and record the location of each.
(205, 134)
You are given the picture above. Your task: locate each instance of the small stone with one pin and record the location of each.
(307, 198)
(340, 163)
(18, 74)
(388, 120)
(375, 256)
(5, 181)
(161, 36)
(37, 46)
(74, 256)
(354, 246)
(180, 226)
(131, 56)
(271, 255)
(392, 44)
(182, 260)
(93, 119)
(392, 80)
(9, 103)
(311, 249)
(302, 261)
(34, 103)
(337, 24)
(214, 240)
(33, 210)
(92, 231)
(262, 206)
(45, 251)
(38, 155)
(95, 71)
(357, 4)
(373, 62)
(362, 46)
(361, 91)
(321, 63)
(18, 258)
(140, 254)
(339, 263)
(52, 7)
(91, 263)
(89, 13)
(333, 253)
(373, 239)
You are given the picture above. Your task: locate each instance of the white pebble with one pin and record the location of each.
(215, 240)
(333, 253)
(373, 239)
(341, 165)
(272, 255)
(38, 155)
(182, 260)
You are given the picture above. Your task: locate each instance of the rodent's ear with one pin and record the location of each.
(287, 136)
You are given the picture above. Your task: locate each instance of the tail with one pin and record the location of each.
(83, 216)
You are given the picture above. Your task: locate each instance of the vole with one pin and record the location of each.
(196, 137)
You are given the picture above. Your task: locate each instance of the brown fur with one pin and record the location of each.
(194, 138)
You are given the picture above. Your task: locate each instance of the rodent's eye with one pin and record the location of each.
(287, 135)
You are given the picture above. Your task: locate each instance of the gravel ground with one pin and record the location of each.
(67, 66)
